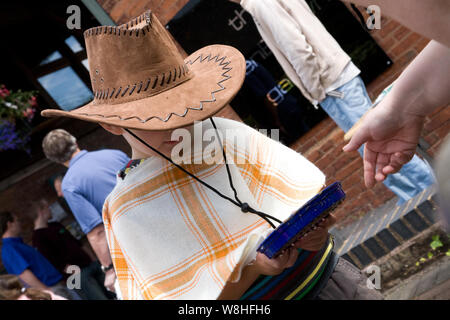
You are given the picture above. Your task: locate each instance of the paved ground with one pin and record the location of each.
(376, 235)
(386, 228)
(432, 283)
(386, 216)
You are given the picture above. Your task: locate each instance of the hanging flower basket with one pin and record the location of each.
(16, 113)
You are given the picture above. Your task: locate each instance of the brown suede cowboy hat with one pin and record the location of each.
(140, 80)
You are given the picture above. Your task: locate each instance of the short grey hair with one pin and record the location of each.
(59, 145)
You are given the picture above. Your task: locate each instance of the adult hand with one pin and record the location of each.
(390, 136)
(316, 239)
(110, 278)
(272, 267)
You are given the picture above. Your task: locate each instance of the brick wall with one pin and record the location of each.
(122, 11)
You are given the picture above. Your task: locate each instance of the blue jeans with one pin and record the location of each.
(414, 176)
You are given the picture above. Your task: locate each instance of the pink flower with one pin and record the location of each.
(32, 101)
(28, 113)
(3, 91)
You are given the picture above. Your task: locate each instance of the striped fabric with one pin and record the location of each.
(172, 238)
(295, 282)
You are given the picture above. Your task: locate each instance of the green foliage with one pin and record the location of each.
(436, 243)
(17, 105)
(16, 113)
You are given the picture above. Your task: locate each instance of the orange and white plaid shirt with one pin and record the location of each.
(170, 237)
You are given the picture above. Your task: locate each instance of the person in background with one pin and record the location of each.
(89, 179)
(26, 262)
(11, 288)
(325, 75)
(57, 244)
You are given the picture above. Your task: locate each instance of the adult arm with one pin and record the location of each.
(431, 18)
(91, 223)
(29, 278)
(18, 264)
(391, 131)
(97, 239)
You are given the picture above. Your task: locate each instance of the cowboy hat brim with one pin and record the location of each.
(218, 72)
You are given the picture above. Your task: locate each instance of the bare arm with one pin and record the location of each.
(424, 85)
(29, 278)
(431, 18)
(97, 239)
(391, 130)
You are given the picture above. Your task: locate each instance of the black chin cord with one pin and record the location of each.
(245, 207)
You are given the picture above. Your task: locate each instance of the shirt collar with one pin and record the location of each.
(77, 157)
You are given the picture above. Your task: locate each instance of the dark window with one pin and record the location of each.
(66, 88)
(43, 54)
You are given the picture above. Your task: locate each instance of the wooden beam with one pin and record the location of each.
(98, 12)
(76, 64)
(53, 66)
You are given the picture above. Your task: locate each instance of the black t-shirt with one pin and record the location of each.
(58, 245)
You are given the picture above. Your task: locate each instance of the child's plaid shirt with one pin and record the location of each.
(172, 238)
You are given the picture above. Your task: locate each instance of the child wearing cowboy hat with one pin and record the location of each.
(190, 229)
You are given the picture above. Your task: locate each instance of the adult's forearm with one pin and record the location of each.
(97, 239)
(30, 279)
(424, 84)
(430, 18)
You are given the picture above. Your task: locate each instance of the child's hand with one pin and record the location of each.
(272, 267)
(316, 239)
